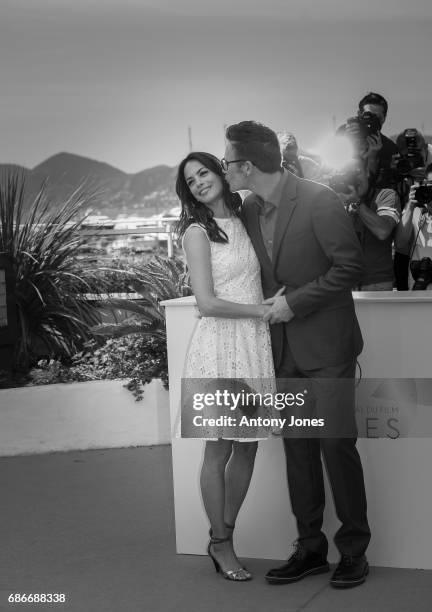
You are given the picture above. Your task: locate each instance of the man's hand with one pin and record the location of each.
(374, 145)
(353, 129)
(355, 193)
(279, 312)
(351, 200)
(349, 196)
(290, 165)
(412, 202)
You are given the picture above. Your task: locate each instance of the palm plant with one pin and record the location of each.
(41, 242)
(161, 279)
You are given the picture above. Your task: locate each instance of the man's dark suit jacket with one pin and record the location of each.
(318, 257)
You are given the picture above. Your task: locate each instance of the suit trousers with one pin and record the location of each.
(344, 470)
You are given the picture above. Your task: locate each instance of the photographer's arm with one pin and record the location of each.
(405, 231)
(382, 222)
(381, 226)
(197, 248)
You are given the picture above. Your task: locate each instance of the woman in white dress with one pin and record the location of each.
(230, 341)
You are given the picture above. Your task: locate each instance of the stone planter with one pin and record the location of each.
(81, 416)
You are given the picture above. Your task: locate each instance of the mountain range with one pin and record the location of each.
(145, 193)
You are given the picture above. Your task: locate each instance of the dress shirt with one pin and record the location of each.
(268, 210)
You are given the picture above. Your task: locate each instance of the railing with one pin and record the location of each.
(165, 227)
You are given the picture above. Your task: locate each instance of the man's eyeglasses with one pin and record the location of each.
(225, 164)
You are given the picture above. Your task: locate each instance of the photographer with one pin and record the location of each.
(364, 131)
(381, 153)
(414, 234)
(413, 148)
(407, 168)
(369, 145)
(375, 212)
(300, 165)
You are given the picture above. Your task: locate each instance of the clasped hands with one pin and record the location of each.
(278, 310)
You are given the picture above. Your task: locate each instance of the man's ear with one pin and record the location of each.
(247, 168)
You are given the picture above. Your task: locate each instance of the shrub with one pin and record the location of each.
(136, 347)
(41, 242)
(161, 279)
(139, 358)
(54, 318)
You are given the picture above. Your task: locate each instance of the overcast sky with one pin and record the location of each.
(120, 81)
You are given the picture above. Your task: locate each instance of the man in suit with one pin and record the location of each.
(305, 241)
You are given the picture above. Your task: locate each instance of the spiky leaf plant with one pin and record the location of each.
(161, 279)
(41, 241)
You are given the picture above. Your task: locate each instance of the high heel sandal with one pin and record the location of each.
(230, 536)
(240, 575)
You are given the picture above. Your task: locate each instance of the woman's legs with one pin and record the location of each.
(238, 475)
(223, 490)
(216, 456)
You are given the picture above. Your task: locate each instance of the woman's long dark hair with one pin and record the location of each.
(197, 212)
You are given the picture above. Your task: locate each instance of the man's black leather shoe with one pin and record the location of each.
(301, 564)
(350, 572)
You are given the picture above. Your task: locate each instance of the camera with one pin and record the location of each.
(404, 165)
(411, 140)
(410, 161)
(364, 124)
(367, 124)
(422, 273)
(423, 194)
(341, 181)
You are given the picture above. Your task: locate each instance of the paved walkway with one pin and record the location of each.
(99, 527)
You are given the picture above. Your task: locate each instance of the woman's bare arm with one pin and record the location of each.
(197, 248)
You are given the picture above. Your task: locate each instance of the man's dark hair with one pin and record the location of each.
(256, 143)
(373, 98)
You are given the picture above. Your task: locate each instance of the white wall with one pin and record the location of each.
(80, 416)
(397, 472)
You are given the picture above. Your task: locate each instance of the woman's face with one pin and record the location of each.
(206, 186)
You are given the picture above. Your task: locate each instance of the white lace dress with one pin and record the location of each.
(236, 350)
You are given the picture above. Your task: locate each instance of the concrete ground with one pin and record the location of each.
(98, 526)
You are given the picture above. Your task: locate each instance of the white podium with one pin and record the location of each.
(398, 472)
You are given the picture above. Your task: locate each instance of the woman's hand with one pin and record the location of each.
(263, 309)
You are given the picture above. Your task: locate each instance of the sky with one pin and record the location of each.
(121, 81)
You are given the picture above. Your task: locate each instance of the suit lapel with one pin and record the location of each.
(286, 209)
